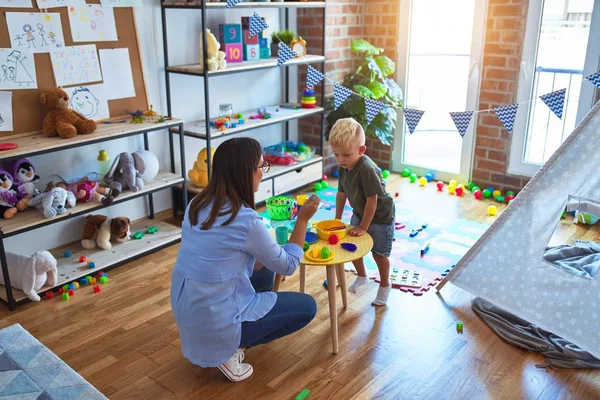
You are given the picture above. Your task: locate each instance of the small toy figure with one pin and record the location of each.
(85, 189)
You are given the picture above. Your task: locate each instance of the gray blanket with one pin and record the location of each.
(581, 259)
(558, 352)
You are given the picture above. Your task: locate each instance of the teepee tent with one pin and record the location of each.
(505, 266)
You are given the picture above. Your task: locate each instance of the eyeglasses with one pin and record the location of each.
(266, 166)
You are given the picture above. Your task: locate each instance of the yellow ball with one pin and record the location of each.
(453, 183)
(461, 186)
(451, 189)
(496, 193)
(492, 210)
(422, 181)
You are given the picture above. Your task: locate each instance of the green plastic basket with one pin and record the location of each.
(280, 208)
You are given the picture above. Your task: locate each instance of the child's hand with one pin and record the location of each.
(356, 231)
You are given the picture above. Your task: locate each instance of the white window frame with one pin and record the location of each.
(516, 165)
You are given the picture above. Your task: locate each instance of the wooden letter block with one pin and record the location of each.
(233, 52)
(265, 52)
(251, 52)
(250, 40)
(230, 33)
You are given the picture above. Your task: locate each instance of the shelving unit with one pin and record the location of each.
(281, 179)
(35, 143)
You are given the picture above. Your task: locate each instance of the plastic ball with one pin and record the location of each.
(478, 195)
(324, 177)
(475, 188)
(459, 191)
(509, 198)
(413, 178)
(335, 173)
(486, 193)
(451, 189)
(453, 183)
(429, 176)
(460, 185)
(82, 259)
(491, 189)
(422, 181)
(500, 199)
(470, 185)
(385, 173)
(405, 172)
(440, 186)
(496, 193)
(324, 185)
(67, 254)
(492, 210)
(152, 165)
(318, 186)
(510, 193)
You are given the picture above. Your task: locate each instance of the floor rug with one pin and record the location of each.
(449, 241)
(29, 371)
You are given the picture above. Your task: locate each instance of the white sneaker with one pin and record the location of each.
(234, 369)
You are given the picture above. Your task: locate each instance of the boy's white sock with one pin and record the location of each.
(382, 296)
(358, 282)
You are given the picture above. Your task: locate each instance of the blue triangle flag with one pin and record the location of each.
(506, 115)
(373, 108)
(555, 101)
(232, 3)
(285, 54)
(462, 120)
(340, 94)
(257, 25)
(412, 117)
(314, 76)
(594, 78)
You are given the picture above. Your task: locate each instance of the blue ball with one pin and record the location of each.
(67, 254)
(491, 189)
(429, 176)
(83, 281)
(335, 173)
(92, 265)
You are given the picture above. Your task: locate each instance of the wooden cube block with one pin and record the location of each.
(265, 52)
(246, 23)
(230, 33)
(263, 43)
(250, 40)
(251, 52)
(233, 52)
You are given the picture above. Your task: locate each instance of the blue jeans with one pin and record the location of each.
(292, 311)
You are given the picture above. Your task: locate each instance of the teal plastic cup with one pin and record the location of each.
(281, 235)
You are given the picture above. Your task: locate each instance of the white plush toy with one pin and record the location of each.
(30, 273)
(216, 58)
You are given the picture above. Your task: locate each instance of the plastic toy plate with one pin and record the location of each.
(311, 237)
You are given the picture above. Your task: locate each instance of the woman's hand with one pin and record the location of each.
(309, 208)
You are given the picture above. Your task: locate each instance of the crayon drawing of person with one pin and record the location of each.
(42, 32)
(84, 102)
(29, 31)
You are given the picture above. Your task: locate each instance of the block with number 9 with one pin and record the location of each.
(230, 33)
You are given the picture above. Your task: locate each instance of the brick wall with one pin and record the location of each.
(373, 20)
(505, 29)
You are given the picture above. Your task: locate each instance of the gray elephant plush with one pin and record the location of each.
(53, 202)
(126, 173)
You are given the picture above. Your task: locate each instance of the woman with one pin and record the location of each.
(221, 300)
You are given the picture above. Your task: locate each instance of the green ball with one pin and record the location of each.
(475, 188)
(385, 173)
(486, 193)
(500, 199)
(324, 184)
(510, 193)
(470, 186)
(413, 178)
(406, 172)
(325, 252)
(318, 186)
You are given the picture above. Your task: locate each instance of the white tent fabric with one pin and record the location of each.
(505, 266)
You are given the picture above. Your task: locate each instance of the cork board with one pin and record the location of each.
(28, 112)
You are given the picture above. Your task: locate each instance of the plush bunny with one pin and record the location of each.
(30, 273)
(126, 173)
(53, 202)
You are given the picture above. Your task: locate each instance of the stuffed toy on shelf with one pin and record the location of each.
(199, 173)
(53, 202)
(61, 120)
(25, 179)
(216, 57)
(100, 229)
(31, 273)
(8, 196)
(85, 189)
(126, 173)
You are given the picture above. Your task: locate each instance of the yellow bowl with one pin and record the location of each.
(323, 229)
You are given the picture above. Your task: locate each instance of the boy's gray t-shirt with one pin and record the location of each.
(364, 181)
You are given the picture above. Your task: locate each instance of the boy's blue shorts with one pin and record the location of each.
(382, 234)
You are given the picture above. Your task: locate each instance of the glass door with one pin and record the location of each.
(441, 46)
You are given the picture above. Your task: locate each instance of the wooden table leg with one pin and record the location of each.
(332, 306)
(302, 278)
(342, 278)
(277, 282)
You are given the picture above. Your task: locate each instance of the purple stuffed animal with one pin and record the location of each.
(8, 197)
(25, 178)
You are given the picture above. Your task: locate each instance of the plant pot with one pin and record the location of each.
(274, 49)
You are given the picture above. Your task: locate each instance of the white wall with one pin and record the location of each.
(244, 91)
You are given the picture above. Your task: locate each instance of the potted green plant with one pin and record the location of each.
(371, 80)
(285, 36)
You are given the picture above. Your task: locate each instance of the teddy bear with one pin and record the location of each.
(53, 202)
(199, 173)
(99, 229)
(61, 120)
(216, 58)
(30, 273)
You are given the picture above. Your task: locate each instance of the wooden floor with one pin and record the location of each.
(124, 340)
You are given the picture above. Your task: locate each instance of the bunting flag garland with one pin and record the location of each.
(507, 115)
(595, 79)
(555, 101)
(373, 107)
(340, 94)
(257, 25)
(232, 3)
(462, 120)
(285, 54)
(313, 78)
(412, 117)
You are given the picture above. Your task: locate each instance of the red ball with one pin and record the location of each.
(324, 177)
(71, 292)
(49, 294)
(509, 198)
(82, 259)
(333, 239)
(440, 186)
(458, 191)
(478, 194)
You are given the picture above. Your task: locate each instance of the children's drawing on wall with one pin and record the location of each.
(90, 101)
(92, 23)
(16, 3)
(75, 65)
(42, 4)
(6, 117)
(117, 74)
(17, 69)
(38, 32)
